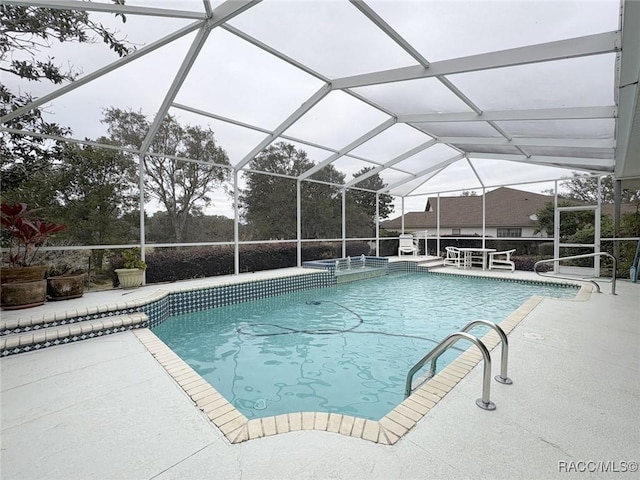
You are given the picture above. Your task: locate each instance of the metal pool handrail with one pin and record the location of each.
(586, 255)
(484, 402)
(504, 353)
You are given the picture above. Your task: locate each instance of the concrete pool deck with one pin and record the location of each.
(105, 408)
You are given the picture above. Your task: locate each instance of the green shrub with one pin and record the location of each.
(526, 262)
(545, 249)
(172, 264)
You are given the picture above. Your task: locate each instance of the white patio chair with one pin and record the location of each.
(453, 257)
(408, 245)
(501, 260)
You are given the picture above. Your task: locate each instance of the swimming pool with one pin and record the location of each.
(345, 349)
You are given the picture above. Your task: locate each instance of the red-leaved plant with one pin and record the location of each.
(25, 236)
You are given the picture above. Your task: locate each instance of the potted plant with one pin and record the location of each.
(132, 275)
(66, 276)
(21, 278)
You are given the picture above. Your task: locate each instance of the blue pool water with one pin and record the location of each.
(345, 349)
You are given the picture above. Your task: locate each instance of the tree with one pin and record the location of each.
(98, 188)
(26, 29)
(366, 200)
(27, 162)
(361, 205)
(585, 189)
(571, 221)
(181, 186)
(269, 202)
(201, 228)
(578, 227)
(581, 190)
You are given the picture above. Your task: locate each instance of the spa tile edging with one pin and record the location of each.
(237, 428)
(329, 265)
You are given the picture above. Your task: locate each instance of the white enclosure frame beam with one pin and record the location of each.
(103, 71)
(178, 80)
(276, 53)
(589, 164)
(224, 12)
(77, 141)
(396, 37)
(236, 225)
(207, 8)
(108, 8)
(438, 166)
(596, 209)
(344, 223)
(484, 203)
(221, 14)
(239, 33)
(425, 180)
(142, 220)
(352, 146)
(438, 226)
(407, 47)
(572, 113)
(266, 131)
(390, 163)
(300, 111)
(377, 224)
(229, 9)
(532, 142)
(598, 230)
(628, 93)
(368, 12)
(484, 216)
(556, 228)
(298, 223)
(544, 52)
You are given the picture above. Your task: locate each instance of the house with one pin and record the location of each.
(509, 213)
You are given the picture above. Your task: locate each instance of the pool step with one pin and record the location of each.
(72, 332)
(432, 262)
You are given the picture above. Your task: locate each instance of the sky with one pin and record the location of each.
(237, 80)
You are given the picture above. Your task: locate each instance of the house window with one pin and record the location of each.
(455, 231)
(509, 232)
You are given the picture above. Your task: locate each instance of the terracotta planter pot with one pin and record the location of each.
(130, 277)
(65, 287)
(23, 295)
(22, 274)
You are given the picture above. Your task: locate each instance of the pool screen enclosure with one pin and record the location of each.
(430, 96)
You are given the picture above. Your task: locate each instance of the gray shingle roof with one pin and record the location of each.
(506, 207)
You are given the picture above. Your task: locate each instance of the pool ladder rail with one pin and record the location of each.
(573, 257)
(484, 402)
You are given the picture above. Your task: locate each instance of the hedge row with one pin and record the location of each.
(172, 264)
(526, 263)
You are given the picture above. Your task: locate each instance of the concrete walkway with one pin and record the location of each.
(105, 409)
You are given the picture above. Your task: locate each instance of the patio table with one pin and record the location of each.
(468, 254)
